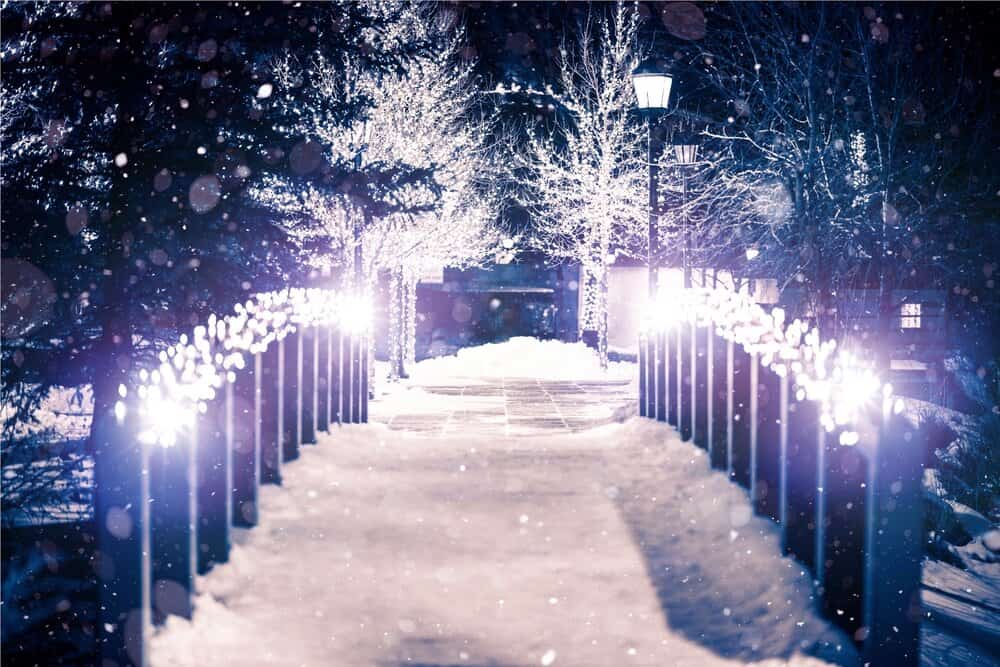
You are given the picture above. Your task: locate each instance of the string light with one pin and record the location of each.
(192, 371)
(838, 380)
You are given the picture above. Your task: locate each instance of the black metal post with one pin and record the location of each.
(673, 396)
(678, 345)
(686, 384)
(784, 398)
(315, 380)
(720, 378)
(346, 376)
(214, 483)
(644, 373)
(752, 423)
(730, 407)
(332, 376)
(173, 483)
(687, 234)
(741, 460)
(364, 392)
(323, 378)
(359, 384)
(121, 512)
(660, 376)
(710, 427)
(894, 543)
(291, 419)
(307, 386)
(337, 397)
(653, 353)
(843, 557)
(246, 444)
(767, 489)
(272, 390)
(699, 383)
(654, 146)
(804, 439)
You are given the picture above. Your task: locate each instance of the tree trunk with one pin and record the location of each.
(397, 325)
(589, 295)
(409, 323)
(602, 318)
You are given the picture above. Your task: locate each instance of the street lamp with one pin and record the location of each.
(686, 154)
(652, 93)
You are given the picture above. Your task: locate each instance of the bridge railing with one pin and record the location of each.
(823, 448)
(182, 459)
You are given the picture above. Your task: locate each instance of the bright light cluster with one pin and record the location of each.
(195, 369)
(836, 378)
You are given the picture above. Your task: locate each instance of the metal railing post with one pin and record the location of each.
(272, 407)
(644, 368)
(215, 482)
(307, 385)
(123, 564)
(246, 444)
(291, 419)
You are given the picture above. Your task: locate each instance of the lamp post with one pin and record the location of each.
(652, 93)
(686, 154)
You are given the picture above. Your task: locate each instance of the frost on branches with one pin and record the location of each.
(584, 184)
(422, 191)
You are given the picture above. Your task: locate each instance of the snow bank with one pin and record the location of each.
(524, 357)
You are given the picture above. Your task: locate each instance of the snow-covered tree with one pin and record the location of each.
(132, 132)
(584, 183)
(422, 194)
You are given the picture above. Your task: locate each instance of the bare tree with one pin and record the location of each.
(584, 182)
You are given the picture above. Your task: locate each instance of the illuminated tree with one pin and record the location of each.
(422, 194)
(584, 183)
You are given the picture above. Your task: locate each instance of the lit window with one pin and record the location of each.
(910, 313)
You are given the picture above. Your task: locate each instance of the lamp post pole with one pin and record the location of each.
(652, 95)
(358, 251)
(654, 148)
(686, 153)
(687, 231)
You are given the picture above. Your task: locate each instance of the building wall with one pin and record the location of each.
(627, 287)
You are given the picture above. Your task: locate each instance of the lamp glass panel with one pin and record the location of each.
(652, 91)
(686, 153)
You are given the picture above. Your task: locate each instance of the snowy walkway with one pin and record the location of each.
(473, 526)
(503, 407)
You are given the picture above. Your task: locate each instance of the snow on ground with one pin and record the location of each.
(523, 357)
(614, 545)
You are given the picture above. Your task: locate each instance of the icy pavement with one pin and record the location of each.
(499, 407)
(475, 527)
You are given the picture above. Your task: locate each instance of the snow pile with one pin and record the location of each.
(717, 567)
(524, 357)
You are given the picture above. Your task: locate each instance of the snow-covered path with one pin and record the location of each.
(419, 541)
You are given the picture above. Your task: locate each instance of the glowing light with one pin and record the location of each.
(164, 418)
(837, 379)
(191, 371)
